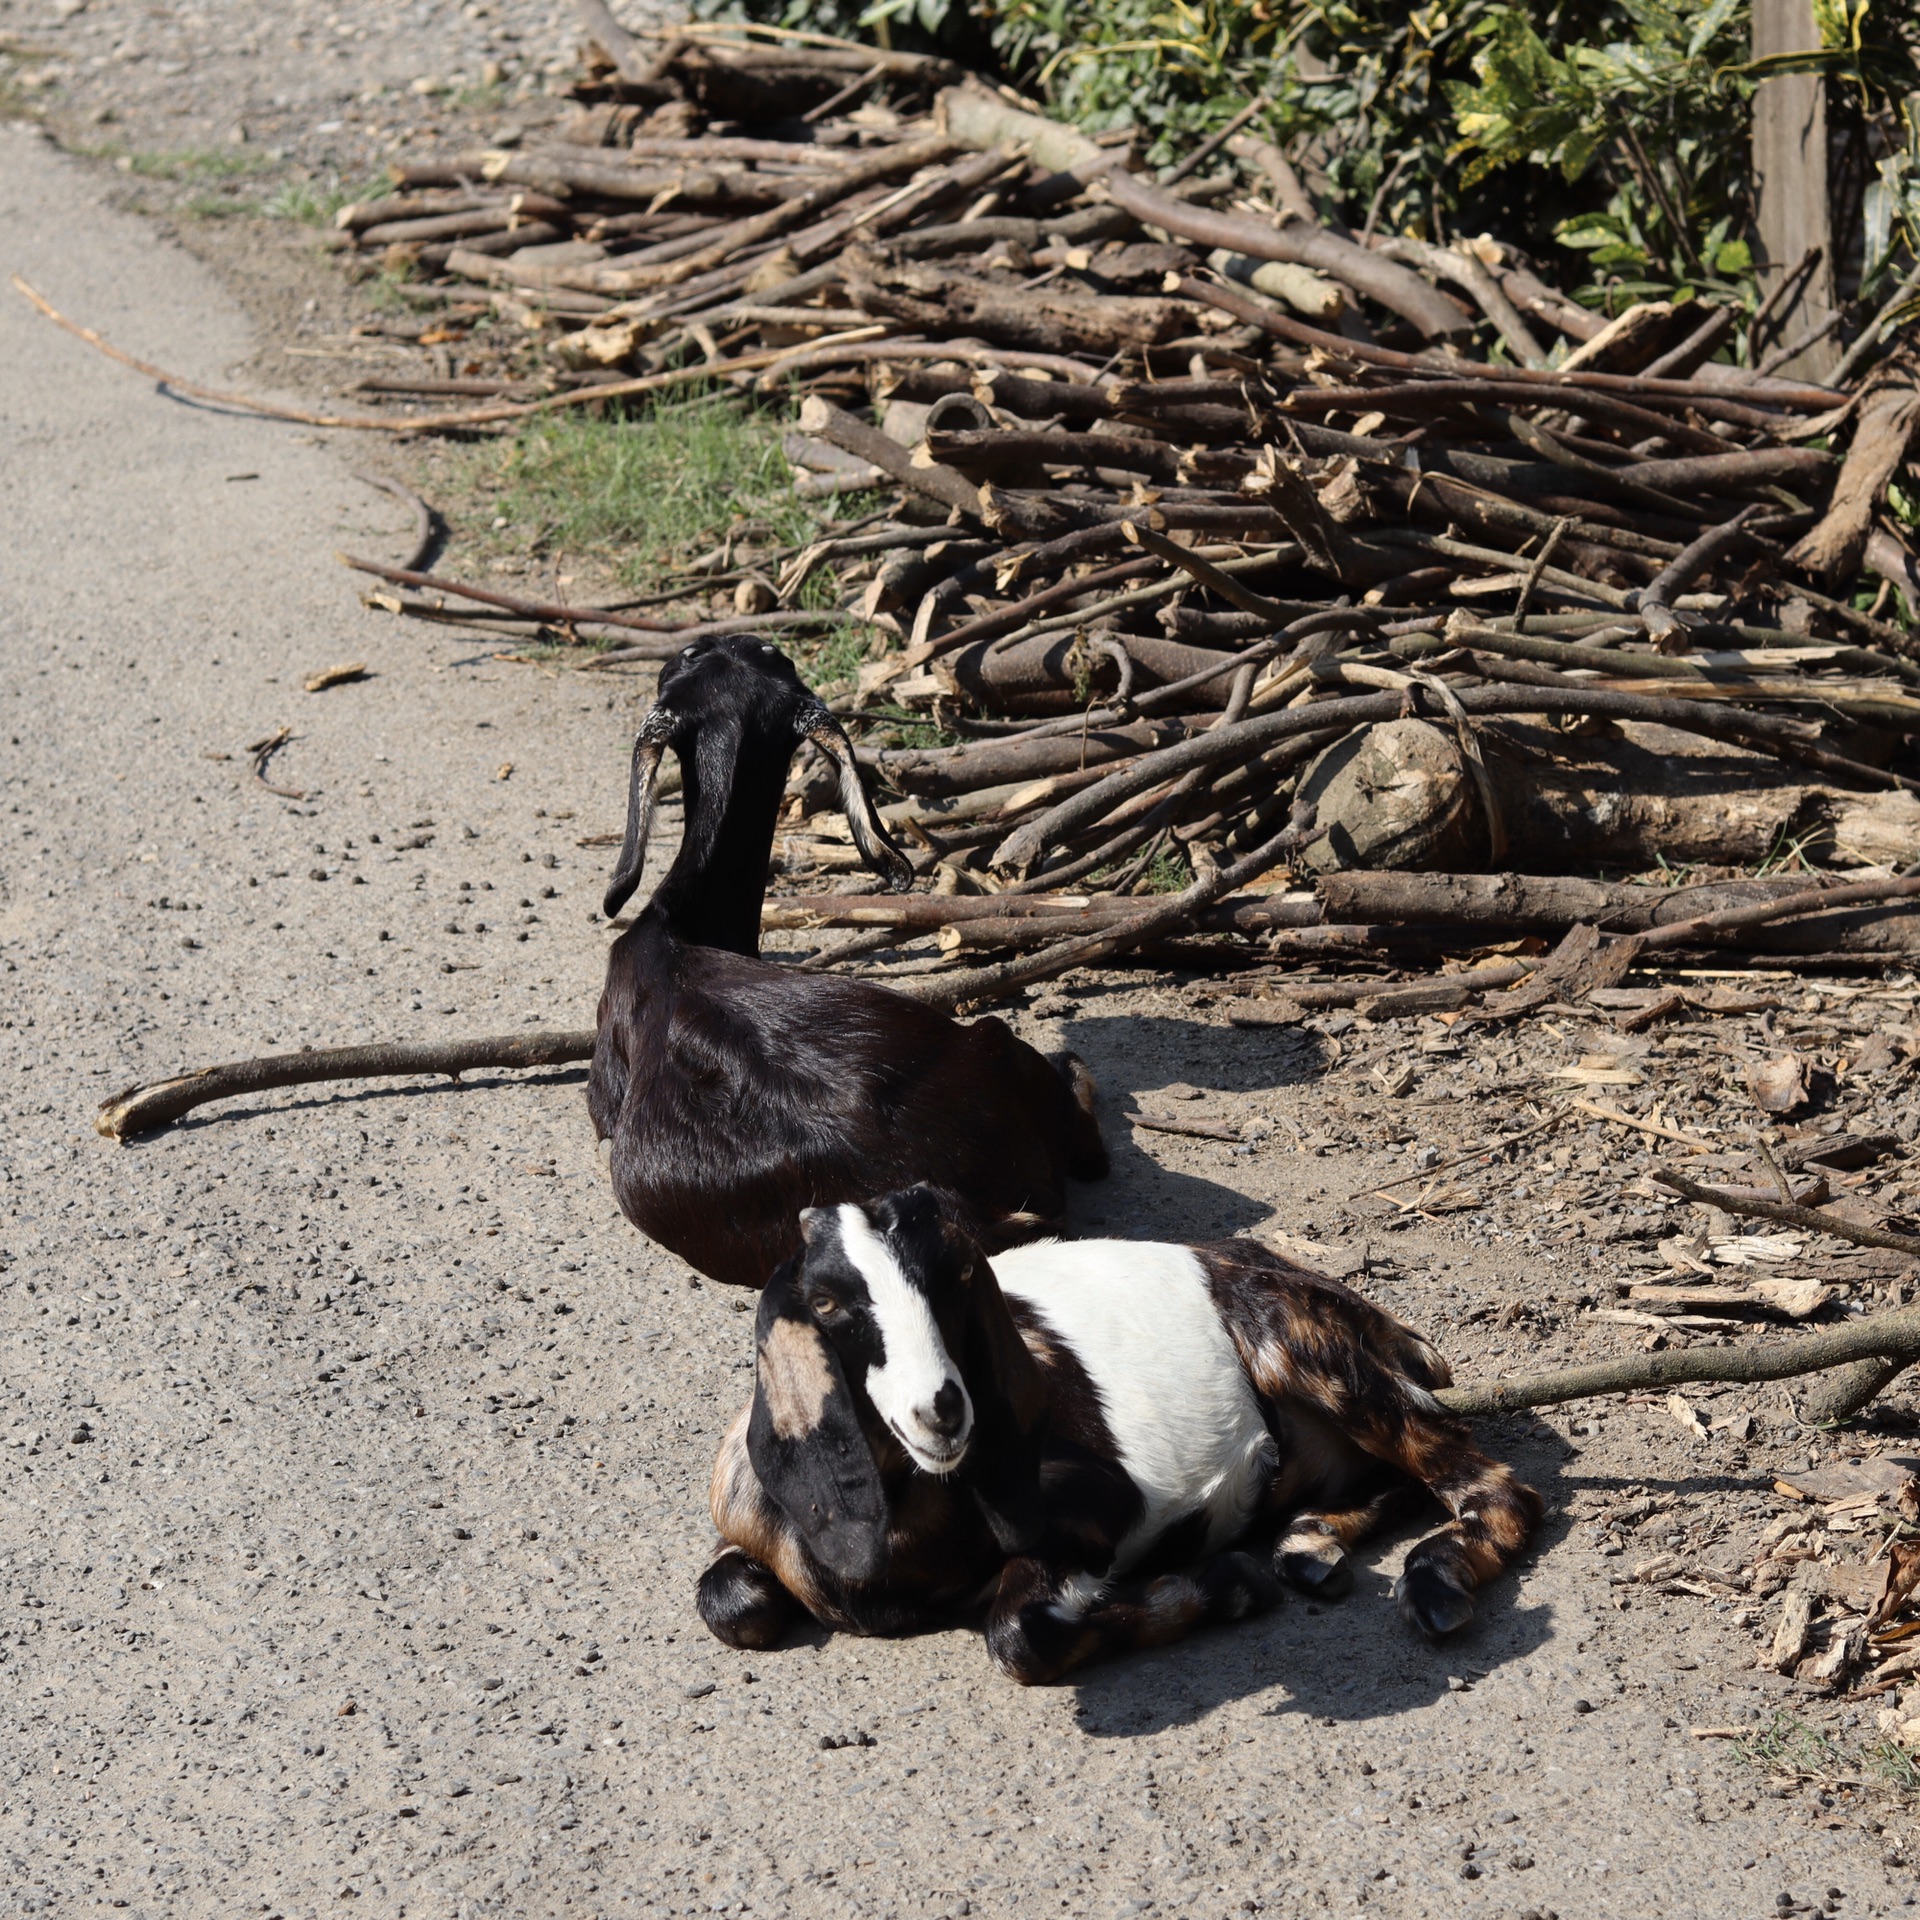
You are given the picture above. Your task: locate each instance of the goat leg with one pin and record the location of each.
(743, 1602)
(146, 1109)
(1043, 1623)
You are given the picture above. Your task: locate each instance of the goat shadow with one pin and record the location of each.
(1133, 1058)
(1347, 1661)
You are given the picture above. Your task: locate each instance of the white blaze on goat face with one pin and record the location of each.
(914, 1365)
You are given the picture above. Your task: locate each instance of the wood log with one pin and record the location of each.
(944, 770)
(1532, 295)
(1420, 400)
(1551, 903)
(1468, 272)
(1704, 386)
(939, 303)
(362, 214)
(841, 429)
(734, 238)
(1021, 457)
(1742, 472)
(145, 1109)
(1888, 420)
(1233, 743)
(1399, 796)
(634, 64)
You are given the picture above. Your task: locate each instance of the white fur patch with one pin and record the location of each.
(1079, 1594)
(916, 1364)
(1139, 1317)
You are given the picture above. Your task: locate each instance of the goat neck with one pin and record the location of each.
(730, 786)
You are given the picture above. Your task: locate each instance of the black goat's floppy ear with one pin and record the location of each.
(1002, 1467)
(648, 745)
(876, 845)
(805, 1442)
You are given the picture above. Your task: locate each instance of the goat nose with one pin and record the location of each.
(948, 1413)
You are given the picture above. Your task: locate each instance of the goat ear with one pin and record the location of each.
(805, 1442)
(876, 845)
(1002, 1467)
(648, 745)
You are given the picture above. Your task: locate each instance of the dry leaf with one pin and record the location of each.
(1780, 1084)
(1903, 1575)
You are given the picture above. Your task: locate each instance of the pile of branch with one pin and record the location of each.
(1205, 508)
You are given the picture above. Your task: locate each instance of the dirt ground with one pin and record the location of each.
(353, 1487)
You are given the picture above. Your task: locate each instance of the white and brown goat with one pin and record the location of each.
(1108, 1443)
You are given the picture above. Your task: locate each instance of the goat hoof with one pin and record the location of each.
(1237, 1586)
(1320, 1570)
(743, 1604)
(1431, 1603)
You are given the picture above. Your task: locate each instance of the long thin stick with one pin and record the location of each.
(1885, 1337)
(406, 423)
(146, 1109)
(423, 529)
(1460, 1160)
(512, 602)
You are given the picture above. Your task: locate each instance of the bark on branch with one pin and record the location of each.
(1883, 1338)
(147, 1109)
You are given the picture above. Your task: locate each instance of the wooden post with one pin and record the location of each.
(1792, 210)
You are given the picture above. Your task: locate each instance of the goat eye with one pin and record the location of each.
(823, 1306)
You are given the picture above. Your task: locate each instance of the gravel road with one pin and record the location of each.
(353, 1485)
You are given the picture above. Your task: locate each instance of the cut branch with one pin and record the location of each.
(146, 1109)
(1885, 1338)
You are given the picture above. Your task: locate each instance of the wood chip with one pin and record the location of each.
(1780, 1084)
(335, 676)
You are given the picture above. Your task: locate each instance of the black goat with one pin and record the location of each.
(736, 1092)
(1082, 1434)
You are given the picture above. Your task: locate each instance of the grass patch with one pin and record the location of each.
(204, 165)
(314, 202)
(218, 206)
(1171, 872)
(1789, 1744)
(645, 489)
(832, 659)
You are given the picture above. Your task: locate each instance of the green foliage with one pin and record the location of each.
(1646, 116)
(1609, 138)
